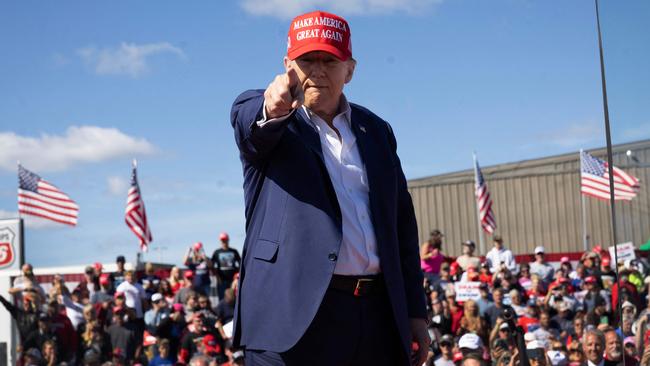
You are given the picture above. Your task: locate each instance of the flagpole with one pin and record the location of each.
(610, 158)
(478, 213)
(584, 211)
(18, 165)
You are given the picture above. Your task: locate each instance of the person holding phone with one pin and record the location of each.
(196, 260)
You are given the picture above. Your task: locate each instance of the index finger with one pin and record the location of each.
(292, 77)
(295, 88)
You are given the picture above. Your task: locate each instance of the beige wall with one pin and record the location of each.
(536, 202)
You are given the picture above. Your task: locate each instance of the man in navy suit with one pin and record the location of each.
(331, 272)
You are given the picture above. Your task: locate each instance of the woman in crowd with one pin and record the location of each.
(166, 291)
(471, 322)
(431, 256)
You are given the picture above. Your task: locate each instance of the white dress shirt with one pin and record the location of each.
(358, 253)
(496, 256)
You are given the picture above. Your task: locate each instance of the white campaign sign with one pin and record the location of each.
(10, 244)
(467, 291)
(624, 251)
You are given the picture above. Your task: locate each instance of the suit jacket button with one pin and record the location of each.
(332, 256)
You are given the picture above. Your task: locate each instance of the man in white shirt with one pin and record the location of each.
(499, 257)
(133, 292)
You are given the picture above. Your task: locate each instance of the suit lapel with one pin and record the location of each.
(363, 133)
(307, 133)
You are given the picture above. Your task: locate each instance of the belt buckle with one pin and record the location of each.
(357, 288)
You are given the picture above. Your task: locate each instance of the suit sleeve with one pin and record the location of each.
(255, 142)
(407, 236)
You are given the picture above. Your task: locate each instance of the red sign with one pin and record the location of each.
(6, 254)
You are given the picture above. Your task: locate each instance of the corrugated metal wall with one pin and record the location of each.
(536, 202)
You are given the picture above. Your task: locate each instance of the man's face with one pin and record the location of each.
(613, 346)
(593, 348)
(198, 324)
(120, 265)
(539, 257)
(322, 76)
(437, 307)
(27, 270)
(468, 249)
(128, 277)
(164, 351)
(498, 297)
(577, 324)
(498, 244)
(446, 347)
(544, 320)
(43, 325)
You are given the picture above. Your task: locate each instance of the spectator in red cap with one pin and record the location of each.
(212, 346)
(123, 340)
(197, 330)
(226, 261)
(313, 163)
(607, 273)
(185, 291)
(196, 260)
(104, 293)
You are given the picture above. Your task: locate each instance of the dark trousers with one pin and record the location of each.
(347, 330)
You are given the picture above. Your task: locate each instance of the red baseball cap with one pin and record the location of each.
(118, 294)
(458, 356)
(319, 31)
(605, 262)
(198, 245)
(103, 279)
(590, 279)
(223, 236)
(98, 266)
(211, 345)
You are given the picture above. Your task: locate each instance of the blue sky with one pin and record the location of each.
(87, 86)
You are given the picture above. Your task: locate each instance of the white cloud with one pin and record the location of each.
(31, 222)
(576, 135)
(117, 186)
(290, 8)
(636, 133)
(127, 59)
(79, 144)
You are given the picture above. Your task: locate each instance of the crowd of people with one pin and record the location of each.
(566, 315)
(128, 317)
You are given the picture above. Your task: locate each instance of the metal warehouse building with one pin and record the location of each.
(536, 202)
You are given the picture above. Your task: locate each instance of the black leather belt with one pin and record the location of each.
(359, 285)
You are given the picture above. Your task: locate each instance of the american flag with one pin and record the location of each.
(594, 180)
(136, 217)
(37, 197)
(484, 202)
